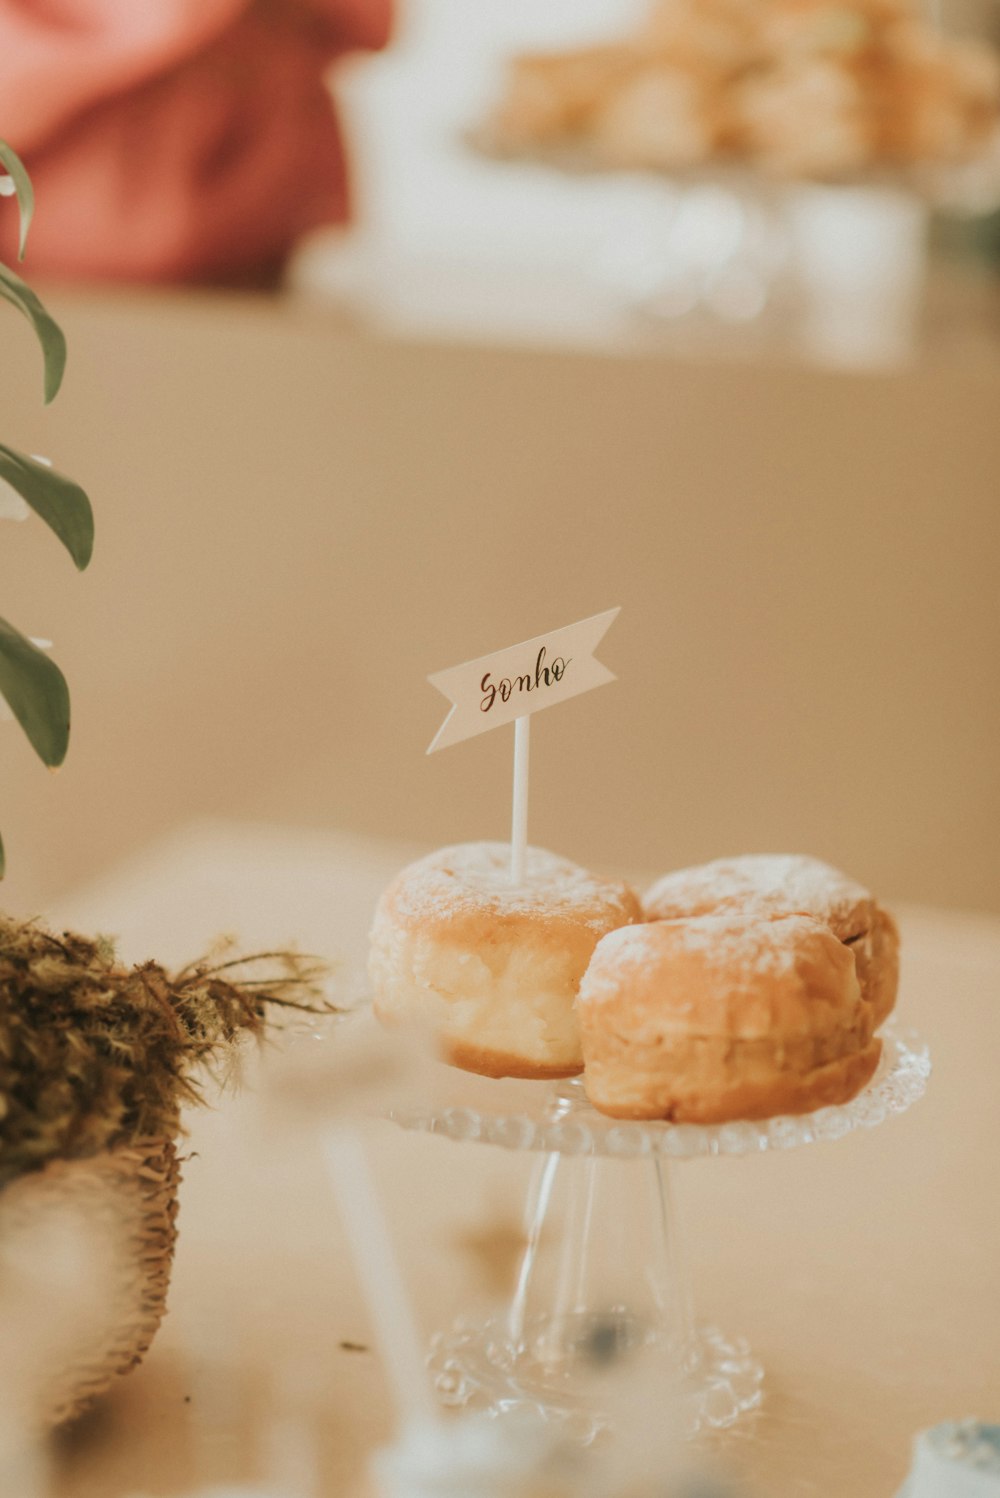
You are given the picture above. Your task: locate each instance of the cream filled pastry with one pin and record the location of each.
(778, 884)
(493, 968)
(725, 1016)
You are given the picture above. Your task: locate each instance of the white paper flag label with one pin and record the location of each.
(523, 679)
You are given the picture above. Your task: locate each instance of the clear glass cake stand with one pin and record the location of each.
(603, 1270)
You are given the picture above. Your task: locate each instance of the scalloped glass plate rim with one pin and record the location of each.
(565, 1122)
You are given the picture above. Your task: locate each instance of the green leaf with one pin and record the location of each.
(50, 336)
(37, 693)
(60, 502)
(26, 206)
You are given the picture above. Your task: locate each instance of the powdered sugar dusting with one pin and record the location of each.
(771, 884)
(475, 877)
(739, 948)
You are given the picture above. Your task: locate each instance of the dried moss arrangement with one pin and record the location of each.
(94, 1056)
(125, 1199)
(96, 1062)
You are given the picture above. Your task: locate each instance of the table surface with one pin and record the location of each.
(439, 500)
(864, 1272)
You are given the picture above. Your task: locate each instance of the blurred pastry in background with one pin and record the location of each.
(657, 119)
(708, 37)
(937, 102)
(550, 96)
(807, 119)
(798, 89)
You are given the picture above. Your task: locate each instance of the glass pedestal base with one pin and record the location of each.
(603, 1278)
(715, 1380)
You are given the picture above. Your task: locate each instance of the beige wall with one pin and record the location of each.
(297, 522)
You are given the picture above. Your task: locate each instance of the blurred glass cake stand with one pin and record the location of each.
(603, 1271)
(724, 255)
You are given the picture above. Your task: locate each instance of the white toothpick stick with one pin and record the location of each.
(519, 818)
(375, 1262)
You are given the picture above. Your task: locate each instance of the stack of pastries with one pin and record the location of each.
(818, 89)
(743, 988)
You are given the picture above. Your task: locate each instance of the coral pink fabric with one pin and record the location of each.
(175, 140)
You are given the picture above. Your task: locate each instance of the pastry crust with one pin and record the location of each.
(724, 1016)
(772, 883)
(776, 884)
(877, 962)
(553, 95)
(493, 1063)
(492, 968)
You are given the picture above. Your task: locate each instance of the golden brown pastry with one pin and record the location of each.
(728, 1016)
(802, 89)
(659, 118)
(551, 97)
(808, 118)
(703, 35)
(490, 967)
(776, 884)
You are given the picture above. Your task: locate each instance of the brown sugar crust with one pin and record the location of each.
(724, 1016)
